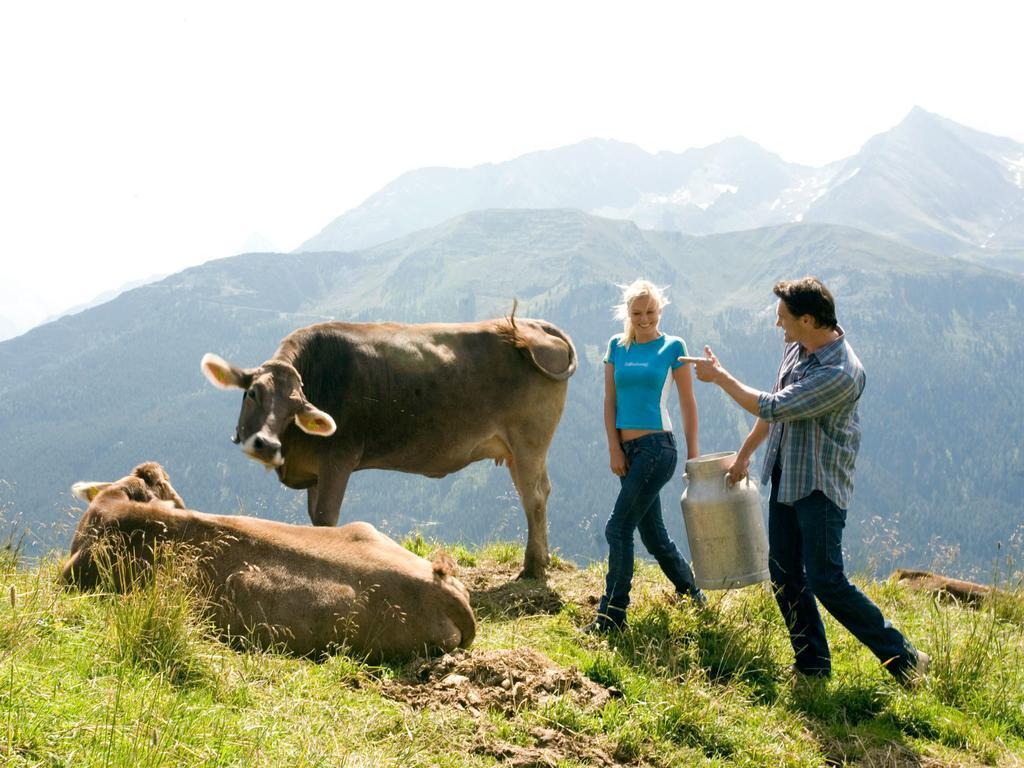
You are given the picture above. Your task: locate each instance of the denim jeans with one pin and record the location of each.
(650, 462)
(805, 560)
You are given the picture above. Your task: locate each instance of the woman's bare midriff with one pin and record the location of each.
(633, 434)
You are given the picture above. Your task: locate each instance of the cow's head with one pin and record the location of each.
(147, 482)
(125, 542)
(273, 399)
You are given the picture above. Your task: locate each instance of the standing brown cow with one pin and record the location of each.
(426, 399)
(274, 583)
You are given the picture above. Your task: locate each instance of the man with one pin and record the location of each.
(810, 421)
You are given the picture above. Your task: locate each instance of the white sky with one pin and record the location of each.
(141, 138)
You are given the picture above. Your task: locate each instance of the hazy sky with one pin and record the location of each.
(141, 138)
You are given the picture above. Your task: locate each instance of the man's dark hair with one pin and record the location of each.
(808, 296)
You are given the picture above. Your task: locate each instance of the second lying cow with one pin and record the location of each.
(305, 588)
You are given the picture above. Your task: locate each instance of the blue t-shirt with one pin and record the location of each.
(643, 378)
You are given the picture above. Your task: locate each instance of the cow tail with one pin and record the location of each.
(558, 333)
(512, 318)
(509, 331)
(512, 334)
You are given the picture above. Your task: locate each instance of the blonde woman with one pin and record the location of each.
(641, 367)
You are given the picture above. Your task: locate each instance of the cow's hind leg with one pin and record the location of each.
(530, 476)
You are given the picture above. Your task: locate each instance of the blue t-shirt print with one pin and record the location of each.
(643, 379)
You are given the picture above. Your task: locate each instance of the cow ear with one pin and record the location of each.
(223, 374)
(313, 421)
(86, 491)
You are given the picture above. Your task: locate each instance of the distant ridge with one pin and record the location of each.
(928, 182)
(608, 178)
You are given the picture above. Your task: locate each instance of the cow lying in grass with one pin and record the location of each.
(306, 589)
(967, 592)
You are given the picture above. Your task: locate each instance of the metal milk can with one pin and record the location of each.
(723, 525)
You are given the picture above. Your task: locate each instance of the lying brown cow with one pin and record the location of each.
(426, 399)
(967, 592)
(304, 588)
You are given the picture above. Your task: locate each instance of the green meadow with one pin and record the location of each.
(138, 680)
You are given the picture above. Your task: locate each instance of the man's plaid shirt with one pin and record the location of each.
(815, 431)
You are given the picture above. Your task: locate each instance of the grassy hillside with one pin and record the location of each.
(107, 680)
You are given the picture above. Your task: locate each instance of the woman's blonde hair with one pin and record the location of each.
(630, 293)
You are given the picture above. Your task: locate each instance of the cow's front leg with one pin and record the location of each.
(311, 497)
(326, 497)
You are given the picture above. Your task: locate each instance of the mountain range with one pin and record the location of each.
(928, 182)
(941, 470)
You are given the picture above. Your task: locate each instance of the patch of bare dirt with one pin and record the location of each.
(507, 681)
(495, 592)
(552, 748)
(515, 598)
(892, 755)
(504, 679)
(854, 752)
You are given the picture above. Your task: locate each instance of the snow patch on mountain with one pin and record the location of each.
(703, 196)
(793, 202)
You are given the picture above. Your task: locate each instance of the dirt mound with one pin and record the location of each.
(507, 681)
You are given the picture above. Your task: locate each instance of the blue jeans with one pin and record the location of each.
(805, 560)
(650, 462)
